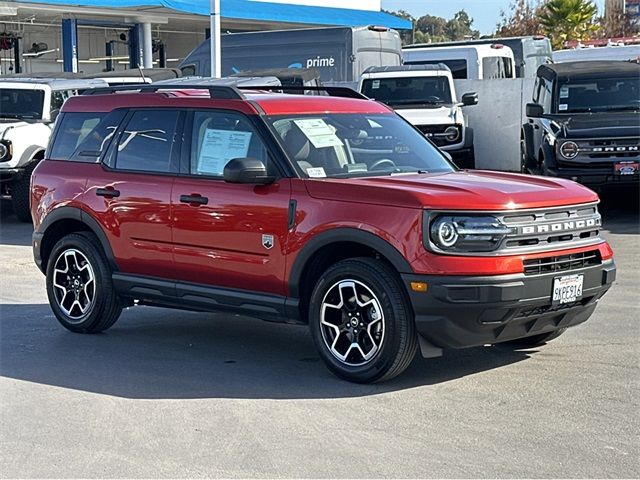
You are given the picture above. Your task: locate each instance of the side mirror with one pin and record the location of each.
(469, 99)
(534, 110)
(246, 170)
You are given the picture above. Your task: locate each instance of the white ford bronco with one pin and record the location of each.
(28, 109)
(426, 97)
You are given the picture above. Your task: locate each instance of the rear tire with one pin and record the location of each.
(537, 340)
(21, 192)
(362, 322)
(79, 285)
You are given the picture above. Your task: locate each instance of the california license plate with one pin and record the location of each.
(567, 289)
(627, 168)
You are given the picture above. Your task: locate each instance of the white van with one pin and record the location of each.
(473, 62)
(610, 52)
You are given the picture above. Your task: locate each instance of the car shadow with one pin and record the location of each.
(155, 353)
(620, 209)
(12, 230)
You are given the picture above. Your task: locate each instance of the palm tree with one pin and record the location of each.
(563, 20)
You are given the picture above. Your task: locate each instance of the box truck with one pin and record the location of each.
(340, 54)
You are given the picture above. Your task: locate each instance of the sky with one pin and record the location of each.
(485, 13)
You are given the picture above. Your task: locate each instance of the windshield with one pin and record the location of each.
(408, 91)
(599, 95)
(356, 145)
(21, 104)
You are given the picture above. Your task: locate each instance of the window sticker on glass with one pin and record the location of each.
(564, 92)
(563, 107)
(318, 132)
(219, 147)
(316, 172)
(375, 84)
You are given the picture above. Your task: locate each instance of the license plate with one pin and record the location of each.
(627, 168)
(567, 289)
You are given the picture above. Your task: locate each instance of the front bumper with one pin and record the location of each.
(594, 176)
(10, 174)
(460, 312)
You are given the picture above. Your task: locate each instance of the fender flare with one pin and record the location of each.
(468, 137)
(343, 234)
(548, 156)
(74, 213)
(527, 134)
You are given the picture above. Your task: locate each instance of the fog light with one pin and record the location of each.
(419, 286)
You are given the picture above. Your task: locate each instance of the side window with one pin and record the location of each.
(547, 96)
(98, 139)
(73, 129)
(146, 143)
(218, 137)
(536, 90)
(57, 99)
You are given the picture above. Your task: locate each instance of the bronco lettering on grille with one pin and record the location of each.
(560, 227)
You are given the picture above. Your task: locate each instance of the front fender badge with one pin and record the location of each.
(267, 241)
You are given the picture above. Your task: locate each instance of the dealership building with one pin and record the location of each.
(102, 35)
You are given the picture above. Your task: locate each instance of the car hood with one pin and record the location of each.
(428, 116)
(7, 125)
(599, 125)
(462, 190)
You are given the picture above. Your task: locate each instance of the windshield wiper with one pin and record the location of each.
(10, 115)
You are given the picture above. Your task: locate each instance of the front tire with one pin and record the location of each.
(79, 285)
(361, 321)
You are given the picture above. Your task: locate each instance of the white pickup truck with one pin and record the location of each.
(426, 97)
(28, 109)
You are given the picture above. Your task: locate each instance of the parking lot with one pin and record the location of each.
(172, 394)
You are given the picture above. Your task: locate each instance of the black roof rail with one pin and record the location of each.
(331, 91)
(215, 91)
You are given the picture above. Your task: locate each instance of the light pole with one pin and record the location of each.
(214, 39)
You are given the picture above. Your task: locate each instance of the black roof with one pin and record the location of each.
(589, 69)
(408, 68)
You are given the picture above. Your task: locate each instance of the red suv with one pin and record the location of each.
(319, 209)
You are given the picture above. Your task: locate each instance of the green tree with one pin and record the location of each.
(523, 19)
(563, 20)
(459, 27)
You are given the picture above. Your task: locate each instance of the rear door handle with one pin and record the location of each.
(108, 192)
(195, 199)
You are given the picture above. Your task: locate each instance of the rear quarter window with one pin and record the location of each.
(82, 137)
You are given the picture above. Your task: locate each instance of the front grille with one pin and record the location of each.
(621, 148)
(563, 227)
(436, 133)
(562, 263)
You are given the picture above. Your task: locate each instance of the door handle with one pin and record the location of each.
(108, 192)
(195, 199)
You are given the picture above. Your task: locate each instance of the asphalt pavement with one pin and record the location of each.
(166, 393)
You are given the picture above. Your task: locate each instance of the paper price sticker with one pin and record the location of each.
(318, 132)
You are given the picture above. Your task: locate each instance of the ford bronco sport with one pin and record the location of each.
(324, 210)
(28, 108)
(583, 124)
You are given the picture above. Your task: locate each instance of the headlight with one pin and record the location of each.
(460, 233)
(569, 149)
(452, 133)
(4, 152)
